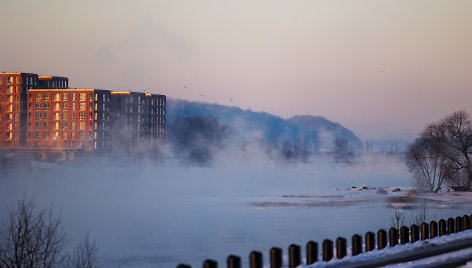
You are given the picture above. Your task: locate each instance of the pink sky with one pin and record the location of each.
(381, 68)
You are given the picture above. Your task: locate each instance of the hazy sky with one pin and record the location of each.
(381, 68)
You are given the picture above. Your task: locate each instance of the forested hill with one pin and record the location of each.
(319, 132)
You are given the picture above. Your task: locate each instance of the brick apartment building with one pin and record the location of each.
(41, 114)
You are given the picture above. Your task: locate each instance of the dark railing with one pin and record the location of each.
(404, 235)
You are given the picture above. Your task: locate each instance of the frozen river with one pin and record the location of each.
(160, 217)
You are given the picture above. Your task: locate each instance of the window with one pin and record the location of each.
(82, 96)
(65, 106)
(64, 125)
(57, 96)
(10, 80)
(82, 106)
(90, 106)
(57, 106)
(37, 135)
(46, 96)
(29, 106)
(17, 79)
(73, 125)
(81, 116)
(38, 96)
(73, 96)
(46, 116)
(16, 107)
(65, 96)
(9, 90)
(38, 107)
(56, 135)
(72, 135)
(37, 116)
(90, 116)
(82, 126)
(64, 135)
(57, 125)
(90, 125)
(72, 115)
(8, 126)
(46, 125)
(9, 108)
(57, 116)
(9, 98)
(73, 107)
(65, 116)
(9, 136)
(91, 96)
(46, 106)
(45, 135)
(81, 135)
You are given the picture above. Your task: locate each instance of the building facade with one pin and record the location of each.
(40, 113)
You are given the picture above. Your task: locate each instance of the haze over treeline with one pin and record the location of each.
(245, 125)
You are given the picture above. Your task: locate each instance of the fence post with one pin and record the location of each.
(311, 252)
(450, 226)
(433, 226)
(369, 241)
(255, 259)
(404, 235)
(341, 250)
(210, 264)
(275, 257)
(424, 231)
(442, 227)
(327, 250)
(234, 261)
(466, 221)
(294, 256)
(184, 266)
(356, 245)
(415, 233)
(459, 225)
(381, 239)
(393, 237)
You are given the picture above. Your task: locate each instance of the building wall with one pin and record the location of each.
(61, 118)
(13, 88)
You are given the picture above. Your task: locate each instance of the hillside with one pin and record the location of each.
(319, 132)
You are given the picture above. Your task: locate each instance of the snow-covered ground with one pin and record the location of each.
(441, 243)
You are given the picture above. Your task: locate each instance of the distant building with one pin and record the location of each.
(341, 146)
(41, 114)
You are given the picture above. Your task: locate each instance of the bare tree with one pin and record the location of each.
(30, 237)
(458, 132)
(84, 256)
(428, 162)
(398, 219)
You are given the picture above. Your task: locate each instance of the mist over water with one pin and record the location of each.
(162, 216)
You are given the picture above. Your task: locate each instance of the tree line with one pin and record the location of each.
(442, 154)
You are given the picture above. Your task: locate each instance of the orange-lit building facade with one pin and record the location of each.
(13, 105)
(61, 118)
(41, 114)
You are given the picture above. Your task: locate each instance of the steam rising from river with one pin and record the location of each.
(161, 216)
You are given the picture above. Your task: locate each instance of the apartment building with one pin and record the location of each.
(41, 114)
